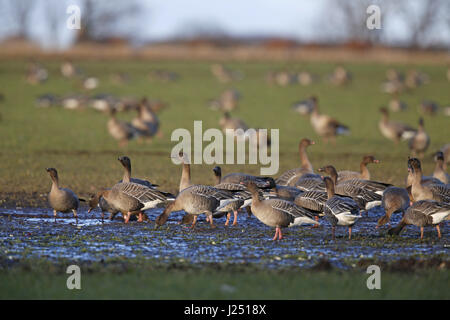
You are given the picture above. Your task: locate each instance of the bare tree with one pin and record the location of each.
(100, 19)
(422, 21)
(19, 13)
(346, 19)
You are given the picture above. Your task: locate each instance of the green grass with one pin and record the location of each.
(225, 285)
(77, 142)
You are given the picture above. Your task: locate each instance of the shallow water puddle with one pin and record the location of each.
(29, 232)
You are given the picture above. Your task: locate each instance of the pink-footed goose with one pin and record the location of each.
(278, 213)
(394, 130)
(340, 211)
(61, 199)
(364, 172)
(437, 192)
(394, 199)
(419, 143)
(359, 190)
(290, 177)
(439, 171)
(423, 213)
(325, 126)
(120, 130)
(147, 122)
(98, 201)
(126, 163)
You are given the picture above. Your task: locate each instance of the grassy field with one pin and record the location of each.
(77, 142)
(211, 282)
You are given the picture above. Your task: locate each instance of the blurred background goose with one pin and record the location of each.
(120, 130)
(325, 126)
(290, 177)
(227, 101)
(396, 105)
(419, 143)
(61, 199)
(36, 73)
(340, 76)
(428, 107)
(423, 213)
(147, 122)
(439, 171)
(304, 107)
(394, 130)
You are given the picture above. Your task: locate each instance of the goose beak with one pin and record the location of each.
(376, 161)
(313, 142)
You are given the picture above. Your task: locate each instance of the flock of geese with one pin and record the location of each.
(297, 197)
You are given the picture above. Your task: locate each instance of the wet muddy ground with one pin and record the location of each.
(32, 233)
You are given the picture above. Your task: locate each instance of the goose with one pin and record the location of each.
(285, 192)
(310, 182)
(195, 200)
(304, 78)
(163, 76)
(36, 74)
(394, 130)
(446, 151)
(102, 102)
(415, 78)
(46, 100)
(73, 102)
(278, 213)
(423, 213)
(261, 182)
(439, 172)
(147, 122)
(325, 126)
(61, 199)
(339, 211)
(228, 122)
(98, 201)
(304, 107)
(419, 143)
(364, 174)
(68, 69)
(126, 163)
(223, 196)
(437, 192)
(227, 101)
(396, 105)
(225, 75)
(133, 198)
(340, 76)
(359, 190)
(394, 199)
(120, 130)
(290, 177)
(241, 197)
(428, 107)
(90, 83)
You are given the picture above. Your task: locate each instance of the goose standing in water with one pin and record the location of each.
(363, 192)
(439, 171)
(423, 213)
(61, 199)
(325, 126)
(419, 143)
(120, 130)
(340, 211)
(278, 213)
(364, 172)
(394, 130)
(437, 192)
(98, 201)
(290, 177)
(394, 200)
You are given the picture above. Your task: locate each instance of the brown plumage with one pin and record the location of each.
(290, 177)
(61, 199)
(394, 130)
(423, 213)
(437, 192)
(278, 213)
(364, 172)
(419, 143)
(325, 126)
(394, 200)
(439, 171)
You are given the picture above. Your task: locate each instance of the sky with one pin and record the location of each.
(162, 19)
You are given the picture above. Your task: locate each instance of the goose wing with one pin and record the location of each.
(296, 215)
(146, 196)
(312, 200)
